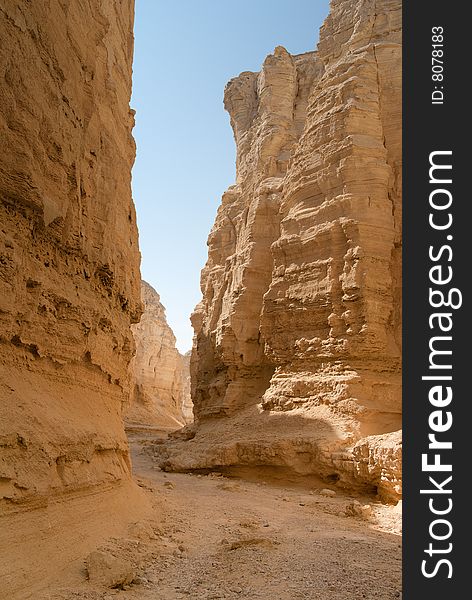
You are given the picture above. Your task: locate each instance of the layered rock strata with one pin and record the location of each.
(161, 393)
(69, 261)
(297, 352)
(187, 404)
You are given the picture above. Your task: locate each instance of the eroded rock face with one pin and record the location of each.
(161, 391)
(187, 404)
(69, 259)
(298, 347)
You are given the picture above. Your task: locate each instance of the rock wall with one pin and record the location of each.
(69, 259)
(297, 352)
(187, 404)
(159, 370)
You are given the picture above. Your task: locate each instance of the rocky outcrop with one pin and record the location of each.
(159, 370)
(187, 404)
(297, 351)
(69, 260)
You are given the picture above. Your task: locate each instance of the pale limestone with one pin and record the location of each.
(187, 404)
(297, 353)
(160, 395)
(69, 279)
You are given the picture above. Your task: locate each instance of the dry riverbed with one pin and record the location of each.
(217, 537)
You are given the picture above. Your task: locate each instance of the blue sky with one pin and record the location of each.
(185, 52)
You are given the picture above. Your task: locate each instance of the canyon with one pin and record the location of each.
(285, 420)
(161, 393)
(297, 354)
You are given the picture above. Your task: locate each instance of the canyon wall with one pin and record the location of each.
(187, 404)
(69, 269)
(297, 354)
(161, 392)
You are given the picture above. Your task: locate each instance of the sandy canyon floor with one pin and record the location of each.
(259, 537)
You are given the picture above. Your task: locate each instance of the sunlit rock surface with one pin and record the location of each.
(69, 281)
(297, 354)
(161, 393)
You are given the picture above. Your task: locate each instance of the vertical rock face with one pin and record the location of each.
(298, 333)
(69, 259)
(159, 370)
(230, 366)
(187, 404)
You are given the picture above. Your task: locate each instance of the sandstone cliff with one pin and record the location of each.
(187, 404)
(69, 268)
(297, 353)
(159, 371)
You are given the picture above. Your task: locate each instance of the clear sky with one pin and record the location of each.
(185, 53)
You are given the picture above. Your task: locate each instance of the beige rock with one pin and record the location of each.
(141, 531)
(69, 273)
(297, 354)
(70, 262)
(105, 569)
(356, 509)
(187, 404)
(160, 373)
(378, 458)
(327, 492)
